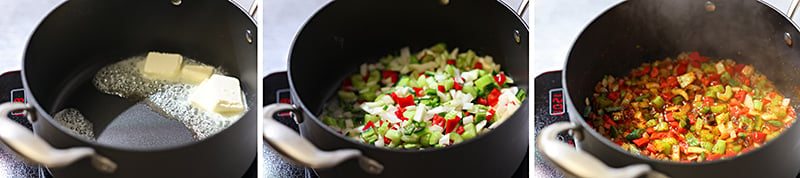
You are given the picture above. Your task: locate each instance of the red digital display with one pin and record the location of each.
(557, 106)
(18, 96)
(284, 97)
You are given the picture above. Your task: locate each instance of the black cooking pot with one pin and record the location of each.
(81, 36)
(346, 33)
(635, 32)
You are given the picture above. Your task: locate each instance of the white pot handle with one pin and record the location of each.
(293, 147)
(579, 163)
(36, 150)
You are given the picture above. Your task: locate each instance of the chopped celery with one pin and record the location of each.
(358, 81)
(691, 140)
(368, 96)
(635, 134)
(484, 81)
(758, 105)
(370, 117)
(719, 147)
(402, 82)
(394, 135)
(329, 120)
(434, 138)
(469, 131)
(374, 77)
(727, 95)
(456, 138)
(657, 102)
(369, 135)
(716, 109)
(408, 145)
(469, 89)
(424, 140)
(413, 138)
(520, 95)
(662, 126)
(346, 96)
(651, 123)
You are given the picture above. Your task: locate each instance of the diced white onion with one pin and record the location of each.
(479, 126)
(467, 120)
(435, 128)
(445, 140)
(420, 112)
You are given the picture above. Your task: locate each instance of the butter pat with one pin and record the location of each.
(164, 66)
(220, 94)
(195, 74)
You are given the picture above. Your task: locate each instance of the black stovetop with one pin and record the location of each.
(276, 89)
(10, 165)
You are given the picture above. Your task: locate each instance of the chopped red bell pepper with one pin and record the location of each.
(403, 101)
(671, 81)
(451, 124)
(493, 97)
(460, 129)
(386, 140)
(456, 86)
(489, 115)
(438, 120)
(669, 117)
(441, 88)
(641, 141)
(451, 62)
(695, 64)
(650, 130)
(367, 126)
(477, 65)
(651, 148)
(729, 69)
(654, 72)
(758, 137)
(418, 91)
(347, 83)
(659, 135)
(500, 79)
(390, 74)
(399, 113)
(692, 119)
(481, 101)
(613, 95)
(741, 95)
(681, 69)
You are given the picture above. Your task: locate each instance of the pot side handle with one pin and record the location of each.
(582, 164)
(294, 148)
(36, 150)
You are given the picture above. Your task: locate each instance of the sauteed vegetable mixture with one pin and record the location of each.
(689, 109)
(433, 98)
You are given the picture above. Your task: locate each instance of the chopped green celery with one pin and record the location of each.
(742, 135)
(421, 81)
(451, 115)
(719, 147)
(779, 111)
(717, 88)
(469, 89)
(358, 81)
(747, 88)
(719, 108)
(657, 102)
(394, 135)
(408, 145)
(409, 130)
(651, 123)
(413, 138)
(383, 128)
(682, 122)
(328, 120)
(414, 60)
(374, 76)
(456, 138)
(665, 147)
(705, 109)
(677, 99)
(482, 73)
(427, 58)
(469, 131)
(708, 68)
(725, 77)
(642, 97)
(434, 138)
(727, 95)
(775, 123)
(430, 73)
(698, 124)
(450, 70)
(370, 117)
(737, 148)
(614, 108)
(710, 93)
(402, 82)
(635, 134)
(520, 95)
(671, 141)
(484, 81)
(604, 102)
(447, 83)
(662, 126)
(734, 83)
(424, 140)
(369, 135)
(747, 121)
(480, 116)
(340, 123)
(758, 105)
(706, 145)
(346, 96)
(697, 103)
(409, 113)
(691, 139)
(367, 96)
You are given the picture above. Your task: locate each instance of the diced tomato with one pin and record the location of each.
(460, 130)
(500, 79)
(714, 78)
(667, 96)
(641, 141)
(740, 95)
(651, 148)
(682, 130)
(733, 102)
(493, 97)
(478, 65)
(390, 74)
(730, 153)
(713, 156)
(654, 72)
(659, 135)
(451, 124)
(613, 95)
(694, 56)
(708, 101)
(619, 142)
(650, 130)
(609, 121)
(368, 125)
(692, 119)
(456, 86)
(441, 88)
(765, 101)
(451, 62)
(674, 124)
(695, 64)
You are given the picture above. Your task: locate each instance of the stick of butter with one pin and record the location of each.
(195, 74)
(220, 94)
(164, 66)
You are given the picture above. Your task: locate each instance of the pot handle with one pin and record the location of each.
(579, 163)
(36, 150)
(293, 147)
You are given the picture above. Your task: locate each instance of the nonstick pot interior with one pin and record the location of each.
(82, 36)
(635, 32)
